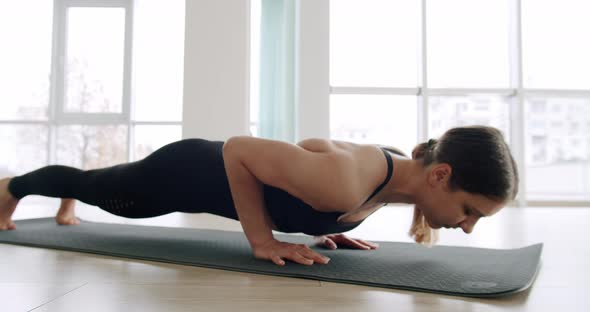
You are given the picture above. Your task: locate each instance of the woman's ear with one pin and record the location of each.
(440, 174)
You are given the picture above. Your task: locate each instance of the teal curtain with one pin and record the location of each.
(277, 70)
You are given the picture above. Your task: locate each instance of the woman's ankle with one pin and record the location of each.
(5, 186)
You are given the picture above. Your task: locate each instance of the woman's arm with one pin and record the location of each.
(248, 198)
(249, 163)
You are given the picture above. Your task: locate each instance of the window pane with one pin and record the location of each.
(446, 112)
(558, 148)
(468, 43)
(374, 43)
(24, 148)
(25, 58)
(555, 53)
(94, 51)
(254, 130)
(158, 60)
(91, 147)
(149, 138)
(375, 119)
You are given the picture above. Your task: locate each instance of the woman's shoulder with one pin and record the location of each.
(354, 156)
(333, 146)
(331, 175)
(361, 167)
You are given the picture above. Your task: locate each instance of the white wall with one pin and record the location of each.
(313, 85)
(216, 69)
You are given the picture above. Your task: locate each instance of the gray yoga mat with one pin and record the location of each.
(458, 271)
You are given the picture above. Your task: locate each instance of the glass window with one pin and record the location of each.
(91, 147)
(24, 148)
(374, 43)
(158, 60)
(467, 43)
(558, 155)
(375, 119)
(254, 130)
(555, 53)
(149, 138)
(446, 112)
(25, 59)
(95, 54)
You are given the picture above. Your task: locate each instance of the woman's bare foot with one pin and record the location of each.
(66, 214)
(7, 206)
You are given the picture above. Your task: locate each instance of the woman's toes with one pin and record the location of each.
(8, 226)
(67, 221)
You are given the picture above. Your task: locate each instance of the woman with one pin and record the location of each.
(317, 186)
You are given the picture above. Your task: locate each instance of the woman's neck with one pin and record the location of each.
(404, 183)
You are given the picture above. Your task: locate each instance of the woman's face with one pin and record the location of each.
(443, 207)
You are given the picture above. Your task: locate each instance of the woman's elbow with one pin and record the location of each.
(230, 143)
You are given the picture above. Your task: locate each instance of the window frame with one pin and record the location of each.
(56, 116)
(59, 56)
(516, 90)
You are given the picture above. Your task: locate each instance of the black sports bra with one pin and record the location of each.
(292, 215)
(389, 173)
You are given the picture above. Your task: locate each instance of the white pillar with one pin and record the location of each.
(216, 69)
(313, 85)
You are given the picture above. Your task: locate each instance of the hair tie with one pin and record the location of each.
(430, 143)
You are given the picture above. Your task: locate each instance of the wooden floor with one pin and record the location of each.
(50, 280)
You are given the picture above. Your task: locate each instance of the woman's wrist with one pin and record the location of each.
(261, 242)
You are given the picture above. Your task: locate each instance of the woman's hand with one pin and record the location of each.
(276, 251)
(333, 240)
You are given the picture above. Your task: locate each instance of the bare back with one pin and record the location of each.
(364, 164)
(328, 175)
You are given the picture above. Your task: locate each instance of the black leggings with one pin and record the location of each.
(184, 176)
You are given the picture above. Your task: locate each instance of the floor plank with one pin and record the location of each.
(55, 280)
(28, 296)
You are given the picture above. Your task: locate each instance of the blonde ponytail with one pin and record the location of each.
(421, 232)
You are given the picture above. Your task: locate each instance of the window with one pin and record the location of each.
(375, 49)
(462, 62)
(558, 164)
(23, 146)
(91, 86)
(25, 92)
(94, 67)
(376, 119)
(467, 47)
(373, 46)
(554, 54)
(373, 43)
(26, 64)
(453, 111)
